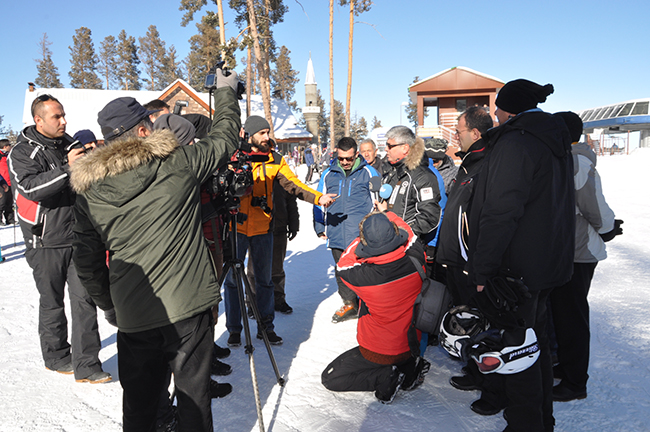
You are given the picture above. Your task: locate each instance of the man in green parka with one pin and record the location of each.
(138, 199)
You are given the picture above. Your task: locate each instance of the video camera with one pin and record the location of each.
(211, 79)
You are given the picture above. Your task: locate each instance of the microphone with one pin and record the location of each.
(385, 191)
(375, 186)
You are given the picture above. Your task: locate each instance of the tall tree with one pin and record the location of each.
(128, 73)
(332, 123)
(48, 74)
(205, 49)
(152, 54)
(337, 112)
(375, 123)
(171, 68)
(108, 59)
(358, 128)
(83, 61)
(284, 78)
(356, 7)
(412, 110)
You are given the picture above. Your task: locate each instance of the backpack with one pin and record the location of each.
(431, 304)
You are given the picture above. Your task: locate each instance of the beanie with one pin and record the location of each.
(182, 129)
(573, 123)
(254, 124)
(521, 95)
(435, 148)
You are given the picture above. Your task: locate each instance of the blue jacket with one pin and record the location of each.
(442, 202)
(340, 221)
(309, 157)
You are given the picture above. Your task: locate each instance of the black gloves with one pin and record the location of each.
(291, 234)
(618, 230)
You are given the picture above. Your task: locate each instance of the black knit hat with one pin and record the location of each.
(435, 148)
(573, 123)
(521, 95)
(254, 124)
(121, 115)
(182, 129)
(379, 236)
(85, 136)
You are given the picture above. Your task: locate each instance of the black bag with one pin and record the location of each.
(431, 304)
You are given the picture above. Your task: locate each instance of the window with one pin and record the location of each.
(461, 105)
(626, 109)
(641, 108)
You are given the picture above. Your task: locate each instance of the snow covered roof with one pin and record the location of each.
(82, 105)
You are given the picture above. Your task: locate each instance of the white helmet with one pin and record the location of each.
(458, 326)
(512, 358)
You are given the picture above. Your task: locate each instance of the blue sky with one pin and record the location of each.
(591, 51)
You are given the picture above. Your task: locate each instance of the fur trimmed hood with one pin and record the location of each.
(119, 157)
(414, 158)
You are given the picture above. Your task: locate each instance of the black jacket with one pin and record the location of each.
(453, 241)
(416, 196)
(41, 184)
(523, 211)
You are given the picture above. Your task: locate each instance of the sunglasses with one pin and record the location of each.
(392, 146)
(347, 159)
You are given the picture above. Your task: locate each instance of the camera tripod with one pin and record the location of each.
(237, 267)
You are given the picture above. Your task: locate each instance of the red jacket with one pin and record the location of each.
(387, 286)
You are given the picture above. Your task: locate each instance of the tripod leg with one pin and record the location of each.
(262, 327)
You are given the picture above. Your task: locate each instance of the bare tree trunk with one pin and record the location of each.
(261, 69)
(222, 29)
(349, 92)
(332, 144)
(249, 71)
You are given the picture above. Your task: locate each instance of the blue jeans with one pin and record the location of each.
(261, 247)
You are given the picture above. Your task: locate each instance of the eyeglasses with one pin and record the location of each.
(392, 146)
(459, 131)
(45, 98)
(347, 159)
(40, 99)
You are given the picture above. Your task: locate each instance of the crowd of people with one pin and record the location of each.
(132, 225)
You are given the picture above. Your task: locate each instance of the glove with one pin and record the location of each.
(618, 230)
(227, 79)
(292, 235)
(110, 317)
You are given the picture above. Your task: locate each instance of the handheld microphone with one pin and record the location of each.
(385, 191)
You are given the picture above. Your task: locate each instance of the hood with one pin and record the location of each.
(358, 164)
(548, 128)
(585, 150)
(129, 159)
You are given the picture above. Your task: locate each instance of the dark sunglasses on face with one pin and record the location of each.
(392, 146)
(347, 159)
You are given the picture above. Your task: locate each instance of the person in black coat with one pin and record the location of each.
(522, 222)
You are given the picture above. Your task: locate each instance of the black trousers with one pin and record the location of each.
(571, 318)
(458, 283)
(352, 372)
(143, 360)
(52, 268)
(346, 293)
(7, 207)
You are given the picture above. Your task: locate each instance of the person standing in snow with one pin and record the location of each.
(522, 223)
(39, 166)
(595, 225)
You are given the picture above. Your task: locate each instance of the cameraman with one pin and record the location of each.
(40, 176)
(256, 232)
(138, 198)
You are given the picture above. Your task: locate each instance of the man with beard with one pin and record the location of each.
(40, 176)
(256, 233)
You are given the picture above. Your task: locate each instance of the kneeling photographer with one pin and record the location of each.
(255, 232)
(138, 198)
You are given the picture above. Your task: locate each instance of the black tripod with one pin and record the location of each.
(237, 266)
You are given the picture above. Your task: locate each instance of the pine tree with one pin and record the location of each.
(358, 128)
(83, 61)
(412, 110)
(338, 114)
(152, 54)
(323, 120)
(108, 59)
(375, 123)
(48, 74)
(128, 74)
(357, 7)
(284, 78)
(205, 50)
(171, 69)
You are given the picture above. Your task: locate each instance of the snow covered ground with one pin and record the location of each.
(34, 399)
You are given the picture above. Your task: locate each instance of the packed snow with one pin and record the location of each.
(34, 399)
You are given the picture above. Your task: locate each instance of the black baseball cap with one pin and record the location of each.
(120, 115)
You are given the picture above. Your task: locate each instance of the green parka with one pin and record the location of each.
(139, 200)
